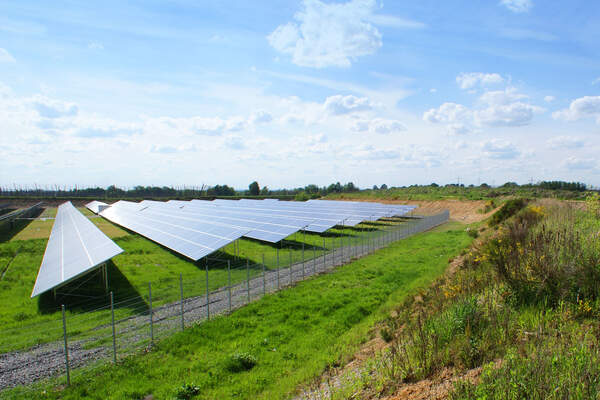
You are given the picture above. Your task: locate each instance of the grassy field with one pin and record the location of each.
(26, 322)
(291, 336)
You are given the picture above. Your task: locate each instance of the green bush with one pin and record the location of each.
(187, 391)
(508, 209)
(239, 362)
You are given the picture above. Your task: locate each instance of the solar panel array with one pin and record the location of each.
(75, 247)
(197, 228)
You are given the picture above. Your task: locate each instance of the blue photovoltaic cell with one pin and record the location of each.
(75, 247)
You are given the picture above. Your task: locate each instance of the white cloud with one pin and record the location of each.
(527, 34)
(500, 149)
(493, 108)
(52, 108)
(517, 6)
(458, 129)
(587, 106)
(338, 104)
(575, 163)
(378, 125)
(596, 81)
(393, 21)
(260, 117)
(325, 35)
(473, 79)
(448, 113)
(6, 57)
(234, 142)
(565, 142)
(549, 99)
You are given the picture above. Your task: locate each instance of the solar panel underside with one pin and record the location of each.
(192, 238)
(75, 247)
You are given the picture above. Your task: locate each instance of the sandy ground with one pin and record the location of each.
(466, 211)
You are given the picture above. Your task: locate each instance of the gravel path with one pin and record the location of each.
(133, 333)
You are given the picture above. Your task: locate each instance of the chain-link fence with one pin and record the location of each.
(121, 328)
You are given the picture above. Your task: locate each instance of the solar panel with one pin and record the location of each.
(272, 230)
(75, 247)
(96, 206)
(192, 238)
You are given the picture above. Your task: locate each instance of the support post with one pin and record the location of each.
(150, 311)
(278, 268)
(229, 283)
(264, 276)
(303, 270)
(207, 293)
(114, 332)
(248, 279)
(291, 278)
(324, 268)
(64, 318)
(314, 259)
(181, 301)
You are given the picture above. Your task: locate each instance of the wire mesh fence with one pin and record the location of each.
(126, 326)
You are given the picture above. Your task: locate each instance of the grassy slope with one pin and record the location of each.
(294, 334)
(143, 261)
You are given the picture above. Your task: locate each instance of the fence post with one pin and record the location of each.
(248, 278)
(181, 301)
(264, 276)
(278, 268)
(150, 311)
(333, 251)
(314, 259)
(229, 283)
(324, 267)
(64, 318)
(303, 271)
(291, 277)
(114, 333)
(207, 294)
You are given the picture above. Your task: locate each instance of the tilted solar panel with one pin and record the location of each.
(96, 206)
(193, 239)
(75, 247)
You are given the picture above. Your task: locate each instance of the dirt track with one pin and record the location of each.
(466, 211)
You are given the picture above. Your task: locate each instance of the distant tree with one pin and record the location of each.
(265, 191)
(254, 189)
(434, 185)
(484, 186)
(510, 185)
(375, 187)
(383, 187)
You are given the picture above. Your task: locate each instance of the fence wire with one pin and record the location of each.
(132, 325)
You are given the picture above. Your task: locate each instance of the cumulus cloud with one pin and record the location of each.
(6, 57)
(326, 35)
(500, 149)
(565, 142)
(338, 104)
(587, 106)
(52, 108)
(549, 99)
(517, 6)
(473, 79)
(493, 108)
(378, 125)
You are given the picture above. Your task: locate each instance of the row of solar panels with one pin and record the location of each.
(194, 228)
(197, 228)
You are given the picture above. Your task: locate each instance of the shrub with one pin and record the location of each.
(508, 209)
(187, 391)
(239, 362)
(386, 335)
(473, 233)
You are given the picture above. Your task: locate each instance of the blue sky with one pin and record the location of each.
(297, 92)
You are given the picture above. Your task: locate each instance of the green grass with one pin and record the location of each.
(293, 335)
(26, 322)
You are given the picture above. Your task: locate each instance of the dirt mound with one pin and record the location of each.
(465, 211)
